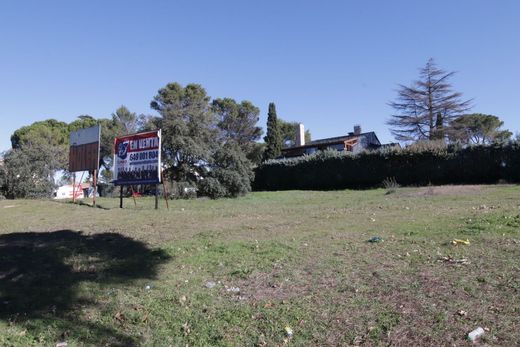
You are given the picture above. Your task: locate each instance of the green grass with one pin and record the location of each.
(111, 277)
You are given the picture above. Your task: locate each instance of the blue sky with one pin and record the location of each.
(327, 64)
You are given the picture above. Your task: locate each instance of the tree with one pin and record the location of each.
(237, 122)
(189, 130)
(273, 138)
(3, 174)
(288, 132)
(28, 171)
(425, 107)
(48, 132)
(128, 122)
(478, 128)
(203, 143)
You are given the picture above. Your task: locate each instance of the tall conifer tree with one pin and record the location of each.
(273, 138)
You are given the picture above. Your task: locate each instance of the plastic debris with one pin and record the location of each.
(182, 300)
(210, 284)
(148, 287)
(186, 328)
(375, 239)
(457, 242)
(62, 344)
(233, 290)
(288, 331)
(451, 260)
(476, 334)
(462, 313)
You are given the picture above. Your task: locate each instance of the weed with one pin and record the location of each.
(391, 185)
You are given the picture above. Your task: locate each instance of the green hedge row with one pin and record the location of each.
(448, 165)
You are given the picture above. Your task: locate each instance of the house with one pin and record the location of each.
(354, 142)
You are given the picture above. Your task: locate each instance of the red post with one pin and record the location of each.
(74, 187)
(95, 189)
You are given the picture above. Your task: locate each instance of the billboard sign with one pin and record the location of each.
(137, 158)
(84, 149)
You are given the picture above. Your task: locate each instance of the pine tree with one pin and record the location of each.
(273, 138)
(417, 106)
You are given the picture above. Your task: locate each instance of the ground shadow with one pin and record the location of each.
(83, 203)
(40, 272)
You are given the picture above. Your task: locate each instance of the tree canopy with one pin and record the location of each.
(189, 131)
(205, 144)
(478, 128)
(41, 149)
(48, 132)
(238, 124)
(423, 109)
(288, 132)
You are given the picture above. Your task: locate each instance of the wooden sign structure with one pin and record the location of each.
(84, 154)
(137, 160)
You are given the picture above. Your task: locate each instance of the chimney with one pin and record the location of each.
(357, 129)
(300, 135)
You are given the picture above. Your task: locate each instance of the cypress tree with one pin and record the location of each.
(273, 138)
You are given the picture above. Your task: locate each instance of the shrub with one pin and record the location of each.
(211, 187)
(229, 176)
(418, 165)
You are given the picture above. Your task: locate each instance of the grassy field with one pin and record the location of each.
(238, 272)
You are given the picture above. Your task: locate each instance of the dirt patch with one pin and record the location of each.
(448, 190)
(270, 287)
(279, 285)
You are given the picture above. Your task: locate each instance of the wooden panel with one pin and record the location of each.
(84, 157)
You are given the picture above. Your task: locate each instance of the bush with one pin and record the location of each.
(229, 176)
(421, 164)
(212, 188)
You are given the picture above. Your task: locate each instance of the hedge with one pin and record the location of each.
(409, 167)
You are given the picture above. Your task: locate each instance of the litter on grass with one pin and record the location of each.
(235, 290)
(475, 334)
(451, 260)
(288, 331)
(457, 242)
(210, 284)
(375, 239)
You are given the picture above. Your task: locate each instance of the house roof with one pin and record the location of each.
(331, 140)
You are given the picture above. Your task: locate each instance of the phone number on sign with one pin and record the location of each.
(144, 155)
